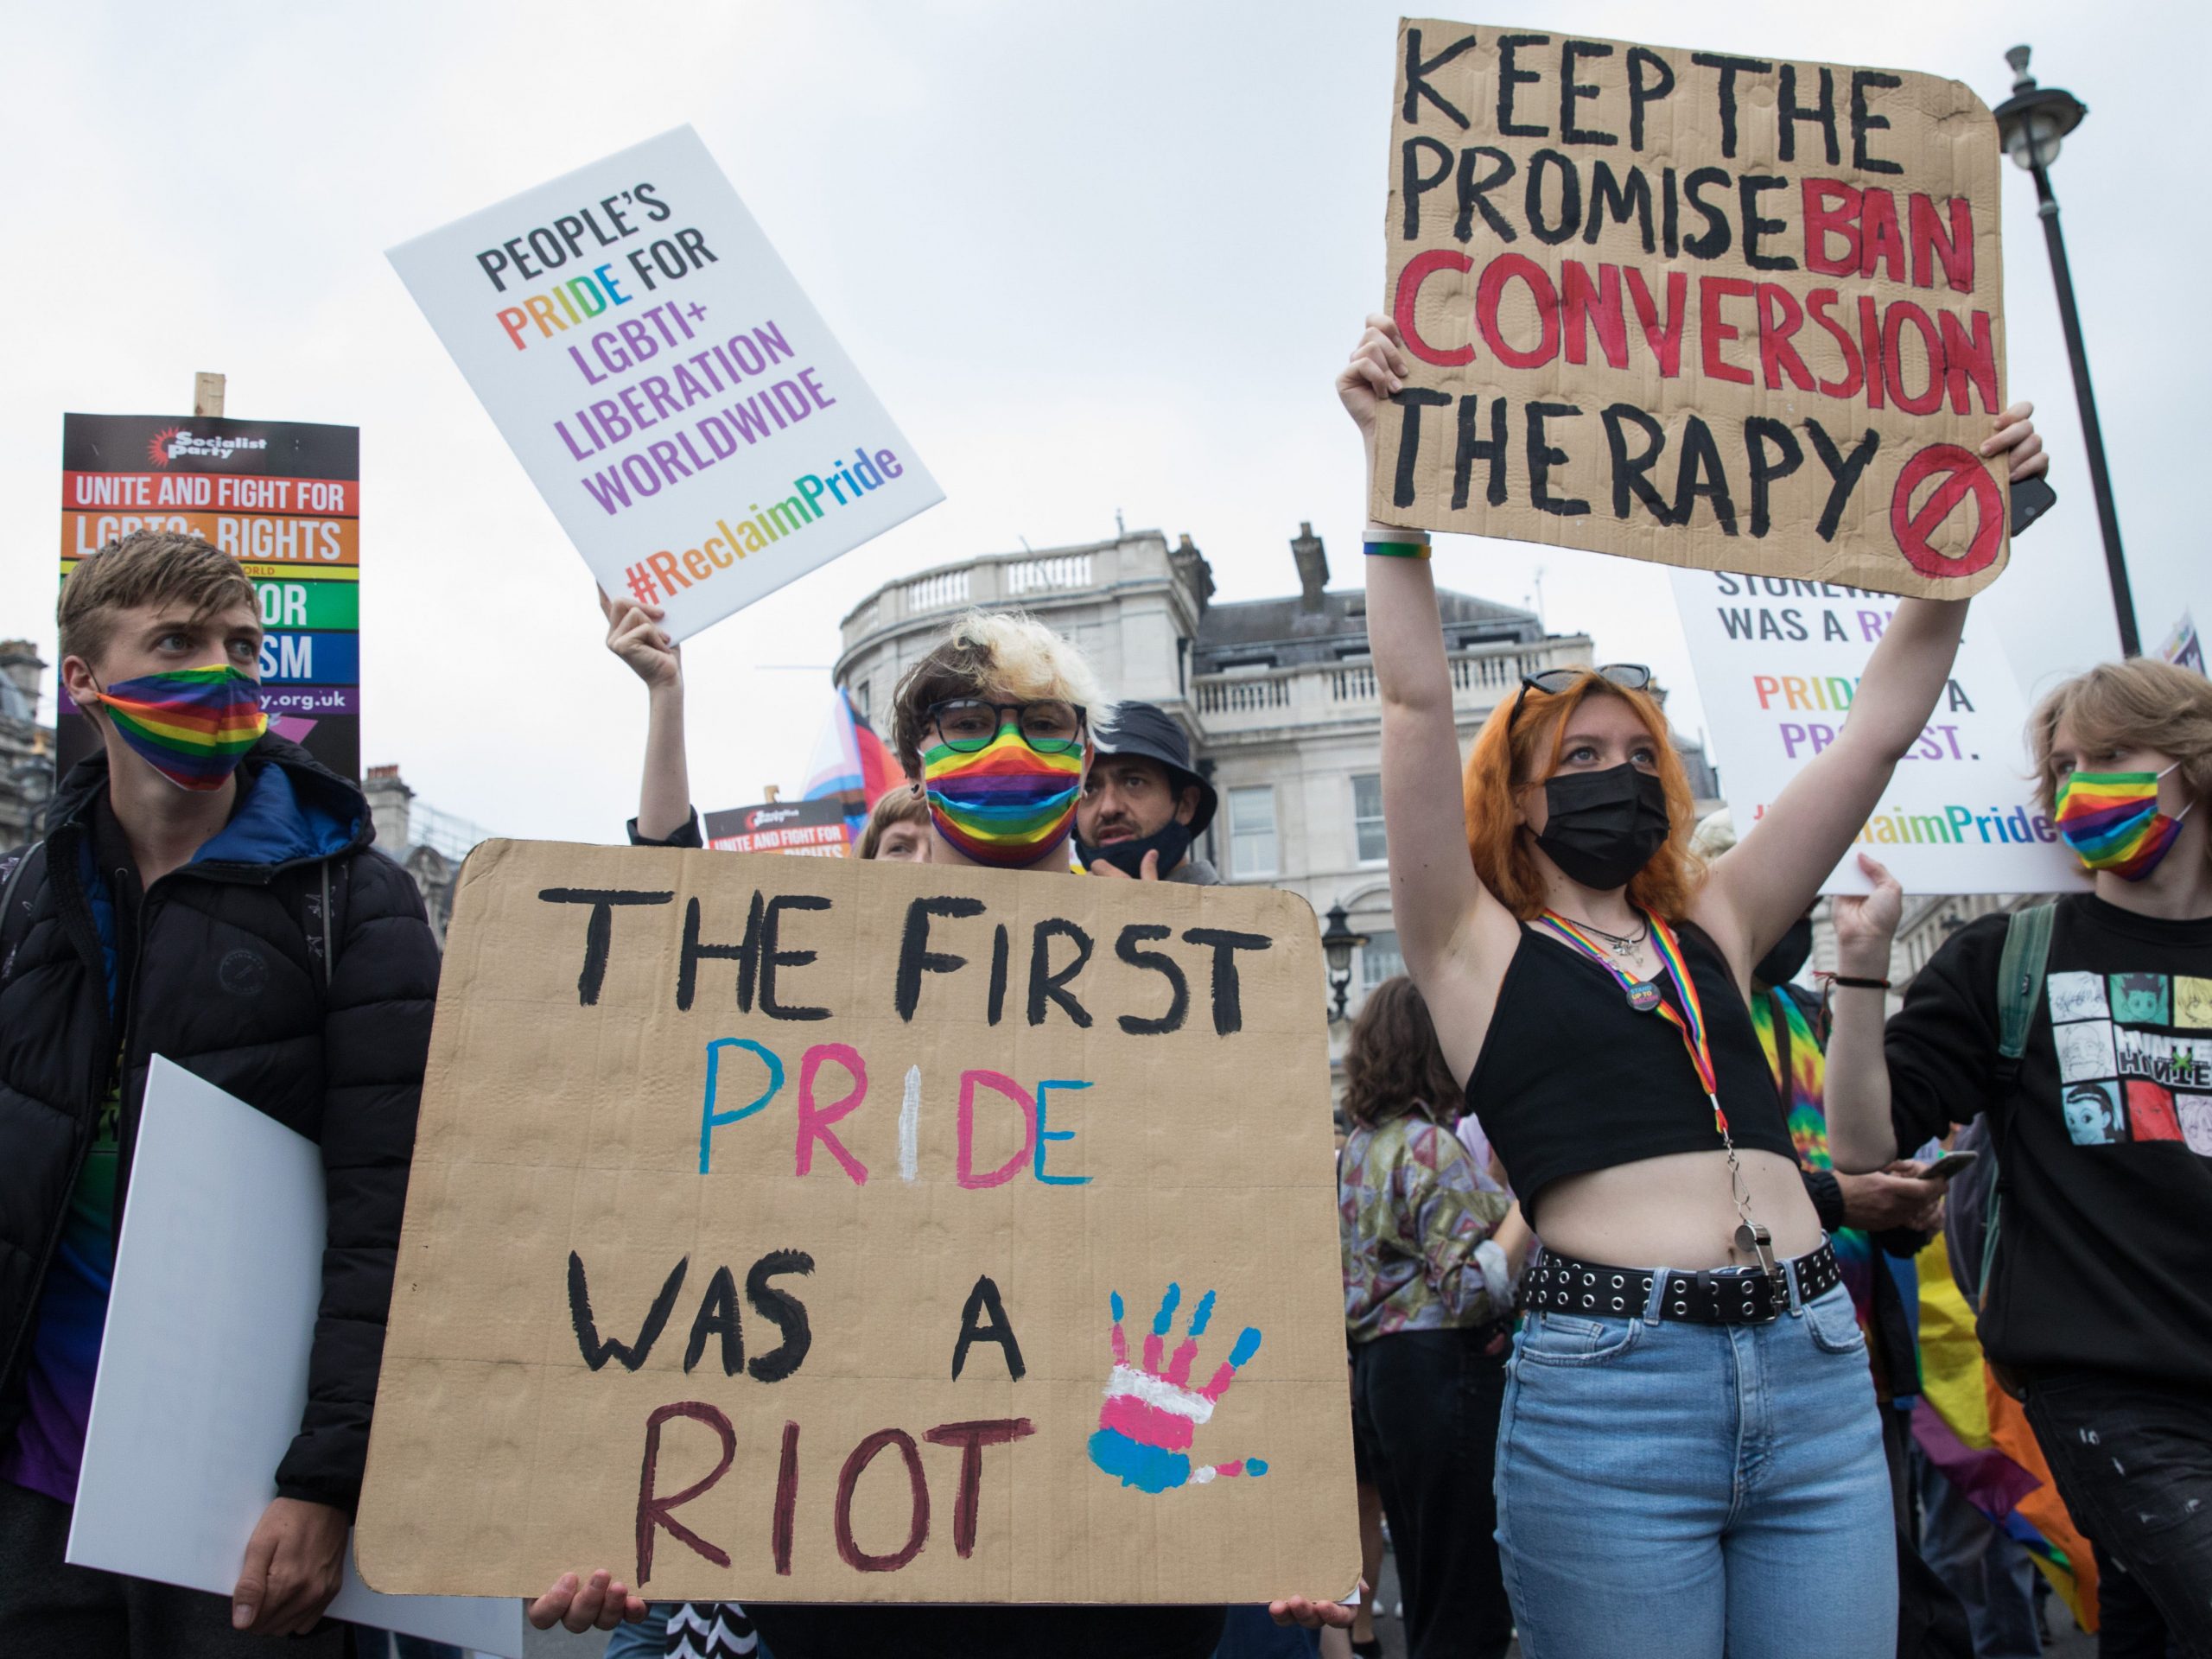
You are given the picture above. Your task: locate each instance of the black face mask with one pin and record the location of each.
(1780, 965)
(1603, 826)
(1173, 840)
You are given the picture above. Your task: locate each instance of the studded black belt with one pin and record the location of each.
(1559, 1284)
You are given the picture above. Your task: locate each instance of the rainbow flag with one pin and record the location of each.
(851, 761)
(1977, 1435)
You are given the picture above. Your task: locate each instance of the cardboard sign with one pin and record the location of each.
(873, 1232)
(815, 827)
(684, 412)
(282, 498)
(1778, 664)
(204, 1361)
(1715, 310)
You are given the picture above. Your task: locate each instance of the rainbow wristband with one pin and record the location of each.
(1396, 550)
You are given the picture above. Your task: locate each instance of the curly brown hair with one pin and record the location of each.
(1393, 1064)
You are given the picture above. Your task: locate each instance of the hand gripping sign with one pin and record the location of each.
(1717, 310)
(764, 1210)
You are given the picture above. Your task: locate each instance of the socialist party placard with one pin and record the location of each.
(686, 413)
(283, 499)
(1778, 663)
(1709, 309)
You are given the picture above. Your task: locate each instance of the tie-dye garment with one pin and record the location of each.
(1805, 1097)
(1410, 1216)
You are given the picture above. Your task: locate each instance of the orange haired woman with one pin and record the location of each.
(1687, 1429)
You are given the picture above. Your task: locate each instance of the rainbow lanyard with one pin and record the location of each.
(1643, 996)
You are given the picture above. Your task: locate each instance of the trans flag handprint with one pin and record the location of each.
(1152, 1414)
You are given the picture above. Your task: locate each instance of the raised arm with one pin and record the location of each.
(1767, 880)
(634, 634)
(1455, 937)
(1857, 1093)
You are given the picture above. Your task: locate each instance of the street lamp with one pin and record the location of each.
(1337, 942)
(2033, 122)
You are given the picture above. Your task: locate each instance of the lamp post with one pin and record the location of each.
(1337, 942)
(2033, 123)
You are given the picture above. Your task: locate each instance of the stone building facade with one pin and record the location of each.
(1277, 696)
(26, 747)
(429, 845)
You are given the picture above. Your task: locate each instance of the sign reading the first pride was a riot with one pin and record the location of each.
(684, 410)
(818, 1230)
(1705, 308)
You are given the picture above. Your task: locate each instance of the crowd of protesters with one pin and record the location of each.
(1629, 1215)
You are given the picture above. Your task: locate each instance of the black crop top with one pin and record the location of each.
(1570, 1078)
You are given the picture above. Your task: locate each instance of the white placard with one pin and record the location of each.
(1778, 662)
(204, 1361)
(671, 391)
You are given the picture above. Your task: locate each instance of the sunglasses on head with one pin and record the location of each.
(1555, 681)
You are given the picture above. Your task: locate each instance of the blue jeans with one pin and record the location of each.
(1696, 1490)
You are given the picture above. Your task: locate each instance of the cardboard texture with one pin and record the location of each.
(682, 408)
(1778, 664)
(204, 1359)
(1642, 288)
(597, 1112)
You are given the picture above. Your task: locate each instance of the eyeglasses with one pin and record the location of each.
(968, 724)
(1552, 682)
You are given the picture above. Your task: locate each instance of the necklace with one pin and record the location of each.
(1619, 944)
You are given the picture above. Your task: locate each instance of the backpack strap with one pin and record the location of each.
(320, 922)
(2019, 984)
(2019, 989)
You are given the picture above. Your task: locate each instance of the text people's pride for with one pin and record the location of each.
(1709, 309)
(695, 428)
(798, 1230)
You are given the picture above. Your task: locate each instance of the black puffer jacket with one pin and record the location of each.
(229, 983)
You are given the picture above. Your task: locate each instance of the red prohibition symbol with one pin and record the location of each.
(1963, 474)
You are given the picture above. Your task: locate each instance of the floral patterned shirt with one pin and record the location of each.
(1410, 1217)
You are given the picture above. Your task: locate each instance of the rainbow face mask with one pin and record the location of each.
(193, 727)
(2111, 820)
(1005, 804)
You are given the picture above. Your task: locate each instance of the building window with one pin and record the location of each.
(1379, 960)
(1252, 832)
(1367, 816)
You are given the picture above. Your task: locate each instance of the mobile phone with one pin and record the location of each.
(1947, 1166)
(2031, 498)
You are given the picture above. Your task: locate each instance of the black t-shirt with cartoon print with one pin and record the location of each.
(2105, 1141)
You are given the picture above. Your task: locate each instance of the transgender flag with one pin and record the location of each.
(849, 758)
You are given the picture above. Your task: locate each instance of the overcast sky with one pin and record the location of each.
(1091, 258)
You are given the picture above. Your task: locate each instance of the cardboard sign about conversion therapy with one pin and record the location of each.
(804, 1230)
(1778, 663)
(1712, 309)
(685, 412)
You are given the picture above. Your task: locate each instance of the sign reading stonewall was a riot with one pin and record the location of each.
(1778, 662)
(1702, 307)
(819, 1230)
(283, 498)
(695, 428)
